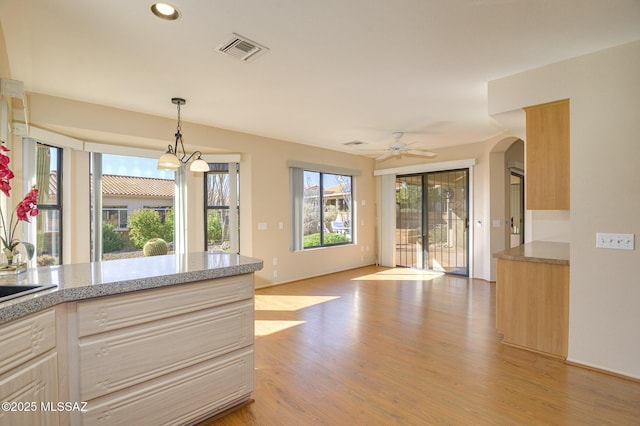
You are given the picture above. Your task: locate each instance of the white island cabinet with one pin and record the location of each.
(159, 356)
(141, 342)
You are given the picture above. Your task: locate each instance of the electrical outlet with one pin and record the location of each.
(615, 241)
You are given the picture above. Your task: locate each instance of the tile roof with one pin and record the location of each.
(137, 186)
(126, 186)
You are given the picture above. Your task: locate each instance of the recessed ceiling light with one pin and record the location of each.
(165, 11)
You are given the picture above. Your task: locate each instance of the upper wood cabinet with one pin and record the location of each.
(547, 156)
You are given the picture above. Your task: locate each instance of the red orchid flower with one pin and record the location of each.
(28, 208)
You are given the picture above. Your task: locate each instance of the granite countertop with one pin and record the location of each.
(538, 251)
(88, 280)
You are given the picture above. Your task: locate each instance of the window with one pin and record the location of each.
(49, 222)
(134, 203)
(327, 209)
(115, 216)
(163, 211)
(322, 206)
(219, 198)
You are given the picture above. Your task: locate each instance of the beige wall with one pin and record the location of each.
(5, 71)
(604, 89)
(264, 182)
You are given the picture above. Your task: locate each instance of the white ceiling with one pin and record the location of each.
(337, 70)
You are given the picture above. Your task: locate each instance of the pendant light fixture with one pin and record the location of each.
(170, 159)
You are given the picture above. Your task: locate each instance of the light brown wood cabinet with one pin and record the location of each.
(532, 305)
(547, 156)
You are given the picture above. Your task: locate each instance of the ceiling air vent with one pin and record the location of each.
(242, 48)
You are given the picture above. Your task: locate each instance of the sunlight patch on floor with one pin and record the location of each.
(273, 302)
(404, 274)
(267, 327)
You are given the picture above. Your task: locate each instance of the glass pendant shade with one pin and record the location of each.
(199, 165)
(168, 161)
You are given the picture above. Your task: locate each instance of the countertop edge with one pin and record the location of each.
(30, 304)
(537, 252)
(531, 259)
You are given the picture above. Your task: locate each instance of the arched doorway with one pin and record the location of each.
(507, 224)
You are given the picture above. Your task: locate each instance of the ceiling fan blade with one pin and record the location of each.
(423, 153)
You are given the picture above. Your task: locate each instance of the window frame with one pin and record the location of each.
(97, 152)
(58, 206)
(322, 210)
(296, 194)
(218, 168)
(119, 210)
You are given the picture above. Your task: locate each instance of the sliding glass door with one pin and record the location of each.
(432, 221)
(410, 221)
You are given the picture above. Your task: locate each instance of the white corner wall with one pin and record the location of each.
(604, 89)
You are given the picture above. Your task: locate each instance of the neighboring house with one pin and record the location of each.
(336, 195)
(122, 195)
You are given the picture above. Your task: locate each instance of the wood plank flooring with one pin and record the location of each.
(379, 346)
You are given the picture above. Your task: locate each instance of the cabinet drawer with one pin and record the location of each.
(26, 338)
(180, 398)
(123, 358)
(113, 312)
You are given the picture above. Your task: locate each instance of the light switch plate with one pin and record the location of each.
(615, 241)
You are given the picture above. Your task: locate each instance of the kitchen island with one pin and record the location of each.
(532, 297)
(163, 339)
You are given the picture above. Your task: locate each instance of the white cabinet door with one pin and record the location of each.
(26, 338)
(25, 388)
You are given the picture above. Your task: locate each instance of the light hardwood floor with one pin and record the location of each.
(378, 346)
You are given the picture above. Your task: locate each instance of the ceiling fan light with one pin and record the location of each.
(199, 165)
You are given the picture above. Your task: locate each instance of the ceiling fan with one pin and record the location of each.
(397, 147)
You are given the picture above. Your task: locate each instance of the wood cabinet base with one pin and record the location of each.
(532, 306)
